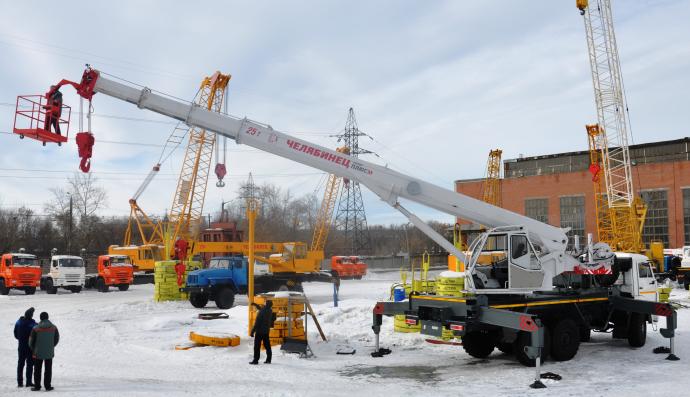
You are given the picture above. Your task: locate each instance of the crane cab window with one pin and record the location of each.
(522, 254)
(645, 270)
(300, 251)
(148, 254)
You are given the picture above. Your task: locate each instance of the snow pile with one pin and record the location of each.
(122, 344)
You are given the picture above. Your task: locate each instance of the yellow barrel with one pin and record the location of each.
(399, 325)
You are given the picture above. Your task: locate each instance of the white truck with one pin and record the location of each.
(537, 299)
(66, 272)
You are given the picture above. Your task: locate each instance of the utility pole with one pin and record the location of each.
(69, 235)
(351, 218)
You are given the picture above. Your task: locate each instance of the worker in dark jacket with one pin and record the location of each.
(44, 337)
(53, 109)
(22, 331)
(261, 328)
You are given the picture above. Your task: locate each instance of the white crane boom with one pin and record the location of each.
(388, 184)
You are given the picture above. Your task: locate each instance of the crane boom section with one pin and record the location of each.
(610, 102)
(388, 184)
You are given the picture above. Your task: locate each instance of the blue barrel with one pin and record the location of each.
(667, 262)
(399, 294)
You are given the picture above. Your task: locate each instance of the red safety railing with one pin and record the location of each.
(30, 120)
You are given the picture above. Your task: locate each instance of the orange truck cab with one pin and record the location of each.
(113, 270)
(19, 271)
(348, 266)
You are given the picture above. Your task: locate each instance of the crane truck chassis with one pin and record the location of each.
(543, 266)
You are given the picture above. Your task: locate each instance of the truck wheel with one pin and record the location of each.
(76, 290)
(505, 348)
(297, 288)
(30, 290)
(102, 286)
(123, 287)
(283, 287)
(686, 282)
(198, 299)
(637, 330)
(523, 340)
(3, 290)
(225, 298)
(565, 340)
(50, 288)
(478, 344)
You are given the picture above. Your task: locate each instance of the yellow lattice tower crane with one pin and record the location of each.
(185, 214)
(491, 190)
(188, 201)
(620, 213)
(324, 218)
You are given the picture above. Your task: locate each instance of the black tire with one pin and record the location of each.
(505, 348)
(123, 287)
(523, 340)
(565, 340)
(198, 299)
(3, 290)
(358, 277)
(284, 287)
(76, 290)
(478, 344)
(585, 334)
(297, 288)
(50, 288)
(30, 290)
(637, 330)
(686, 282)
(225, 298)
(101, 285)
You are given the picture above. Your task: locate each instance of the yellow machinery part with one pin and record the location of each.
(221, 340)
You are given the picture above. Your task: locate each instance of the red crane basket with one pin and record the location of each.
(30, 120)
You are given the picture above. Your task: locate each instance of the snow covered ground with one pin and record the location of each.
(122, 344)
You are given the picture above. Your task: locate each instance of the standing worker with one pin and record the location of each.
(22, 331)
(44, 337)
(260, 331)
(53, 109)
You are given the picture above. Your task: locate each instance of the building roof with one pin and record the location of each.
(646, 153)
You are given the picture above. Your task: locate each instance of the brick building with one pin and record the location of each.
(557, 189)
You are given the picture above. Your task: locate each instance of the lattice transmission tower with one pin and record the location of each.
(351, 218)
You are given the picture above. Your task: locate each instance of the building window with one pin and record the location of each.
(573, 216)
(656, 222)
(537, 208)
(686, 214)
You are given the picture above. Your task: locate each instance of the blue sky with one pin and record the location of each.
(436, 83)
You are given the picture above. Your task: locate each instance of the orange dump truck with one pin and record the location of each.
(113, 270)
(19, 271)
(349, 266)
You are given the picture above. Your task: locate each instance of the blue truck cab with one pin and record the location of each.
(225, 277)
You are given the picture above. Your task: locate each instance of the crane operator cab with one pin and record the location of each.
(503, 259)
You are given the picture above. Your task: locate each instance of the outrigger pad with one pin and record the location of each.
(381, 352)
(537, 385)
(213, 316)
(661, 350)
(291, 345)
(550, 375)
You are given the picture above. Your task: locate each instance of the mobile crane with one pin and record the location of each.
(538, 290)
